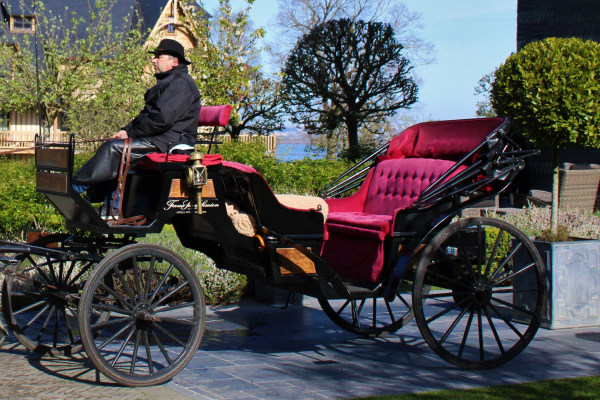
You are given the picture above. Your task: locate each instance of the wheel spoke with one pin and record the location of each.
(30, 307)
(508, 257)
(493, 327)
(447, 310)
(171, 293)
(510, 276)
(121, 299)
(514, 306)
(35, 317)
(122, 348)
(116, 335)
(44, 325)
(174, 307)
(466, 334)
(124, 283)
(149, 275)
(148, 353)
(494, 250)
(162, 348)
(169, 335)
(83, 270)
(480, 331)
(135, 351)
(453, 325)
(106, 307)
(104, 324)
(161, 283)
(506, 321)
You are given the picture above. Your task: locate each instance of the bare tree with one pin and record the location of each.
(297, 18)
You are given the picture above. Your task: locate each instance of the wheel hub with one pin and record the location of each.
(482, 293)
(143, 314)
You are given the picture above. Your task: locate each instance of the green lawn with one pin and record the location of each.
(561, 389)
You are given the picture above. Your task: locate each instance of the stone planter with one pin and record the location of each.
(573, 277)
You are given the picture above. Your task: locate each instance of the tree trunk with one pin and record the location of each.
(353, 147)
(554, 211)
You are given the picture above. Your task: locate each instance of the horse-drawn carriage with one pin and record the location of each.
(393, 250)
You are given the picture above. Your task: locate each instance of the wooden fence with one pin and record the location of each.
(15, 140)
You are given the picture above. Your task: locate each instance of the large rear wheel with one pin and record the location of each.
(156, 319)
(488, 290)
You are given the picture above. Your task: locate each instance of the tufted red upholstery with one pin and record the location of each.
(397, 183)
(359, 224)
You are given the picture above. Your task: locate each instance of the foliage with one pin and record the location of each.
(220, 286)
(304, 176)
(347, 73)
(549, 89)
(83, 61)
(23, 209)
(226, 70)
(532, 220)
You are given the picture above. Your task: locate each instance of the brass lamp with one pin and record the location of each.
(197, 177)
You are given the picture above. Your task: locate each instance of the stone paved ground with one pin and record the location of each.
(257, 351)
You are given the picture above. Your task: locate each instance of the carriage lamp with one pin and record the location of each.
(197, 177)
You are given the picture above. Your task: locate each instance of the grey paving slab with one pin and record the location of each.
(257, 351)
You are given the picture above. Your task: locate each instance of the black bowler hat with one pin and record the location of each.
(172, 48)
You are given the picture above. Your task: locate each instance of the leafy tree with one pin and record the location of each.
(226, 69)
(348, 73)
(550, 89)
(87, 67)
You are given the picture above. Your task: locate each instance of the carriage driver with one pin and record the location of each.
(171, 109)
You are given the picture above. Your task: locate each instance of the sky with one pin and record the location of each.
(471, 38)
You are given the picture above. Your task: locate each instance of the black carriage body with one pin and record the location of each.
(294, 248)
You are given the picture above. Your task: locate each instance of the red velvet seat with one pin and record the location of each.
(358, 225)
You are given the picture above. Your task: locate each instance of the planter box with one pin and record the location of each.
(573, 279)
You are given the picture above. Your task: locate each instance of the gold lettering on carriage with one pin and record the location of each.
(186, 206)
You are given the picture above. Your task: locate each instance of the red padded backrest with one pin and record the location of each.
(214, 115)
(398, 183)
(447, 140)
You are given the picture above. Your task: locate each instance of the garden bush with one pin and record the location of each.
(21, 208)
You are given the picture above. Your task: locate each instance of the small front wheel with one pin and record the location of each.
(488, 290)
(157, 314)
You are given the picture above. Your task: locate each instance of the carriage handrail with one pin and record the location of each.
(336, 184)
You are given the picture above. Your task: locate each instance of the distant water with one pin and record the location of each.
(288, 151)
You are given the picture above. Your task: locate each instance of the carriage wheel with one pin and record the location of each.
(488, 290)
(156, 319)
(371, 316)
(40, 297)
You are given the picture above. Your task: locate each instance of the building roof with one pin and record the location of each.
(125, 15)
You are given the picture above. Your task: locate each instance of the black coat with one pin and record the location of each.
(172, 108)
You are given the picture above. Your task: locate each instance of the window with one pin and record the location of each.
(171, 28)
(3, 121)
(22, 23)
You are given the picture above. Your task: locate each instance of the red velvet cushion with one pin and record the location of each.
(447, 140)
(360, 223)
(214, 115)
(398, 183)
(403, 144)
(452, 140)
